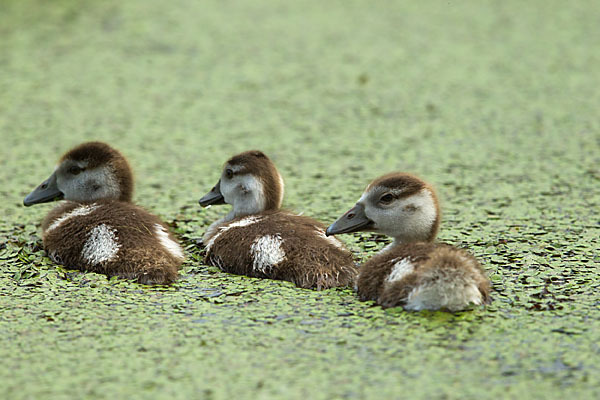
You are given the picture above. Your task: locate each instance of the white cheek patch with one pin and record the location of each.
(109, 184)
(102, 245)
(245, 193)
(81, 187)
(401, 268)
(422, 203)
(77, 212)
(255, 191)
(169, 244)
(236, 224)
(266, 252)
(408, 219)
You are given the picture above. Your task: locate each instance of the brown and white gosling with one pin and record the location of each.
(97, 228)
(258, 239)
(413, 271)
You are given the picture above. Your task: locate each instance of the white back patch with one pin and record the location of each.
(169, 244)
(236, 224)
(402, 268)
(102, 245)
(76, 212)
(266, 252)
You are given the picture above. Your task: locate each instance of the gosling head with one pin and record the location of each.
(250, 183)
(399, 205)
(89, 172)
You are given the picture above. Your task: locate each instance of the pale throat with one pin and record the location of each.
(254, 206)
(251, 201)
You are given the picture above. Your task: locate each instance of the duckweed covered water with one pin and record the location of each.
(495, 103)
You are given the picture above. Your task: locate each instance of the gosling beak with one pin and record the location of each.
(354, 220)
(47, 191)
(213, 197)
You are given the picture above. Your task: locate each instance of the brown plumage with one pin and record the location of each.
(101, 231)
(259, 240)
(283, 246)
(413, 272)
(435, 265)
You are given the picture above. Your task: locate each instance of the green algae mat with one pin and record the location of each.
(496, 103)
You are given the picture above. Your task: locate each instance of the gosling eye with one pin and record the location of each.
(386, 198)
(228, 173)
(74, 170)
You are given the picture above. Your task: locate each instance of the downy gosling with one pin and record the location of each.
(413, 272)
(258, 239)
(97, 228)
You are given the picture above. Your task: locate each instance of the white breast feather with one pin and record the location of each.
(101, 245)
(267, 252)
(76, 212)
(171, 246)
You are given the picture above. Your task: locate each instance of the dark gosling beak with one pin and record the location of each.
(354, 220)
(213, 197)
(46, 192)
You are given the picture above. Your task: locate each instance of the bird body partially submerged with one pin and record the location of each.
(413, 272)
(423, 276)
(283, 246)
(97, 228)
(258, 239)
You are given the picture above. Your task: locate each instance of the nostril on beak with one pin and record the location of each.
(350, 216)
(43, 185)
